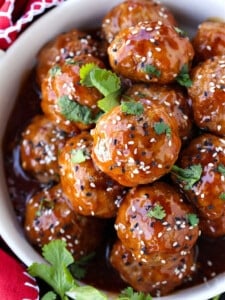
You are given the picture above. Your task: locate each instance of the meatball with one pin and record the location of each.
(150, 52)
(49, 215)
(136, 147)
(144, 277)
(41, 142)
(64, 46)
(209, 40)
(130, 13)
(64, 100)
(90, 191)
(155, 219)
(207, 193)
(208, 95)
(173, 98)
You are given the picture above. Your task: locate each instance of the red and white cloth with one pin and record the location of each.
(15, 282)
(16, 15)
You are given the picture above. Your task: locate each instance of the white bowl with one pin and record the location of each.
(21, 57)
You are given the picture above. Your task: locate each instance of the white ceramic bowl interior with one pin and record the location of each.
(20, 58)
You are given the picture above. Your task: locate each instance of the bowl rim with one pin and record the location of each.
(24, 251)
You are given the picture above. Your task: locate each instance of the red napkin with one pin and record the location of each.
(15, 282)
(16, 15)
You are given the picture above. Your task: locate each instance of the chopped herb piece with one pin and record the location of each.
(85, 74)
(78, 267)
(152, 70)
(110, 101)
(188, 176)
(181, 32)
(183, 78)
(221, 169)
(79, 156)
(74, 111)
(71, 61)
(130, 294)
(54, 71)
(193, 219)
(132, 108)
(157, 212)
(58, 276)
(44, 204)
(222, 196)
(161, 127)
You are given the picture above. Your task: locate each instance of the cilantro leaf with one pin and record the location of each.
(49, 296)
(221, 169)
(132, 108)
(188, 176)
(79, 155)
(193, 219)
(181, 32)
(78, 267)
(157, 212)
(74, 111)
(86, 292)
(152, 70)
(103, 80)
(183, 78)
(54, 71)
(222, 196)
(110, 101)
(56, 274)
(161, 127)
(129, 294)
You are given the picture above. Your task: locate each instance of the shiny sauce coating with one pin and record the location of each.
(211, 253)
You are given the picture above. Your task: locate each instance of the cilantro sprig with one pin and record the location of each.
(58, 276)
(193, 219)
(188, 176)
(105, 81)
(183, 78)
(58, 273)
(79, 155)
(157, 212)
(161, 127)
(152, 70)
(132, 108)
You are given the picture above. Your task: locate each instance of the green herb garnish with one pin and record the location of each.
(152, 70)
(78, 269)
(181, 32)
(105, 81)
(188, 176)
(183, 78)
(58, 276)
(221, 169)
(193, 219)
(222, 196)
(43, 205)
(129, 294)
(161, 127)
(54, 71)
(74, 111)
(157, 212)
(132, 108)
(79, 155)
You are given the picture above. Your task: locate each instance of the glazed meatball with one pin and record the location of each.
(64, 46)
(209, 40)
(130, 13)
(173, 98)
(150, 52)
(49, 215)
(90, 191)
(41, 142)
(142, 276)
(136, 148)
(64, 100)
(155, 219)
(208, 152)
(208, 95)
